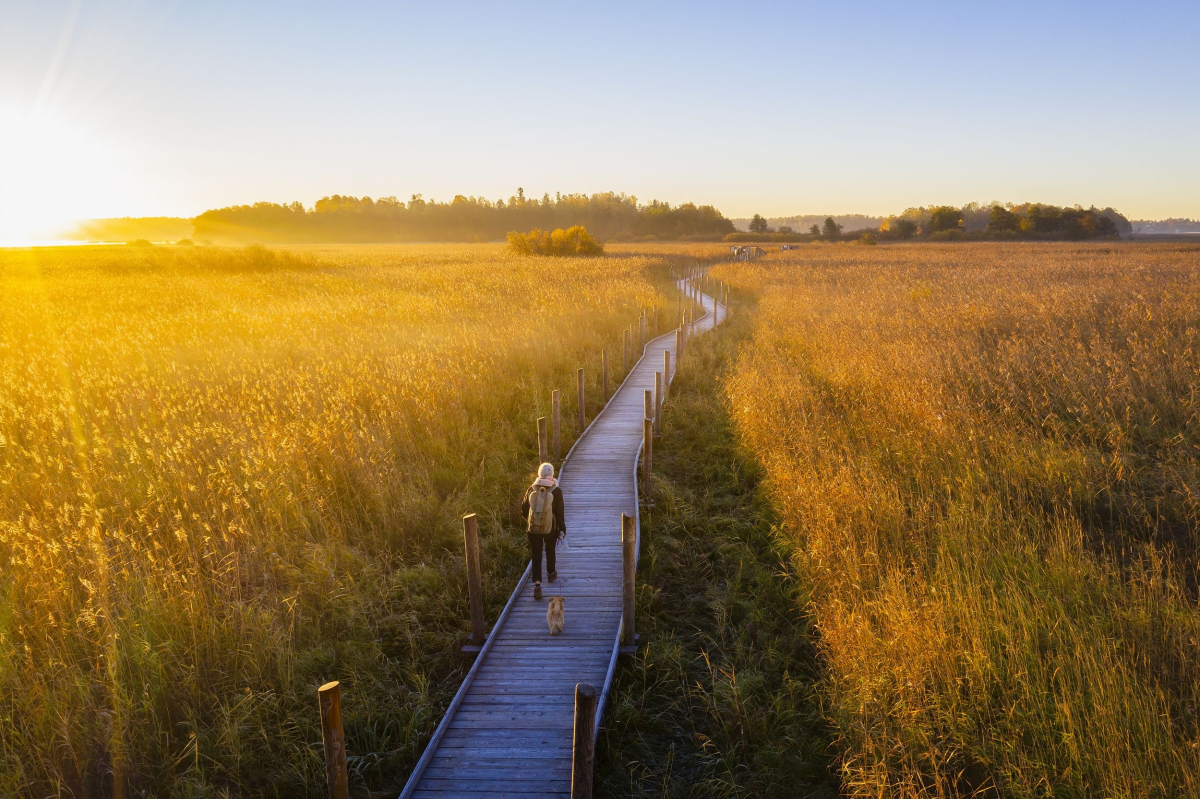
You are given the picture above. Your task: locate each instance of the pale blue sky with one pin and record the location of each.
(173, 107)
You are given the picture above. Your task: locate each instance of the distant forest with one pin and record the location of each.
(1027, 220)
(973, 221)
(608, 217)
(360, 219)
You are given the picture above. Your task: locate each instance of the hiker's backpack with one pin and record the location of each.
(541, 510)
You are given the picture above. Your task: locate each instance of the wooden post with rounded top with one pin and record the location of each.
(629, 572)
(604, 369)
(333, 740)
(555, 423)
(582, 405)
(474, 580)
(624, 352)
(543, 444)
(583, 746)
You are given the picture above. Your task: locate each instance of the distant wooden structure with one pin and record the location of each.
(746, 252)
(515, 727)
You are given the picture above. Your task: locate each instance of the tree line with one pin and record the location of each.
(974, 221)
(338, 218)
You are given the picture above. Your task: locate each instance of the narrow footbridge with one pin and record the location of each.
(508, 731)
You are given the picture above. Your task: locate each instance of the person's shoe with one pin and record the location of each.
(537, 590)
(553, 576)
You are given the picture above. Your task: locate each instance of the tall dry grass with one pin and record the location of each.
(987, 458)
(227, 476)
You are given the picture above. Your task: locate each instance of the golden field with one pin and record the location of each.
(229, 475)
(986, 458)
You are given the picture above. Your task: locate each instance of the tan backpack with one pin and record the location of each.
(541, 509)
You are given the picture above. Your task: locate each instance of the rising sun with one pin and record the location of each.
(52, 174)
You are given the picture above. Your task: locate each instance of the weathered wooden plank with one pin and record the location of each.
(519, 772)
(501, 739)
(439, 790)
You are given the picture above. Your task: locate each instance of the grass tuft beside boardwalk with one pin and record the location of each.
(721, 701)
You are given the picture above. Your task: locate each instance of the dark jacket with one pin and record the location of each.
(560, 513)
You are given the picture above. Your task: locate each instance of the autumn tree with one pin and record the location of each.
(946, 217)
(1003, 220)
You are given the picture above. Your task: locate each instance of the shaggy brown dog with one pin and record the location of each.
(555, 618)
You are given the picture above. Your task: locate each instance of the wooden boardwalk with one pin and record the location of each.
(508, 730)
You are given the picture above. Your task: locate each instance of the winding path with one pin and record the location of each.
(508, 730)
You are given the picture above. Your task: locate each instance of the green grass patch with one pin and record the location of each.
(720, 702)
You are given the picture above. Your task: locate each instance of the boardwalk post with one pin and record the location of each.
(582, 406)
(333, 740)
(474, 581)
(647, 450)
(543, 444)
(658, 401)
(624, 352)
(604, 369)
(556, 423)
(583, 747)
(629, 569)
(648, 455)
(648, 405)
(666, 378)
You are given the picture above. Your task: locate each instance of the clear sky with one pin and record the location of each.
(154, 107)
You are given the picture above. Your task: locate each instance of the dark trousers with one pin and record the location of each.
(536, 542)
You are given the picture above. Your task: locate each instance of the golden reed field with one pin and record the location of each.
(986, 457)
(228, 475)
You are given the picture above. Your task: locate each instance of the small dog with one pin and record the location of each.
(555, 617)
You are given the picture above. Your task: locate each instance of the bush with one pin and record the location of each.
(946, 235)
(574, 241)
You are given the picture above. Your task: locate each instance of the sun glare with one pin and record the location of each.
(51, 176)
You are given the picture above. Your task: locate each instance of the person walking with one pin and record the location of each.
(547, 524)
